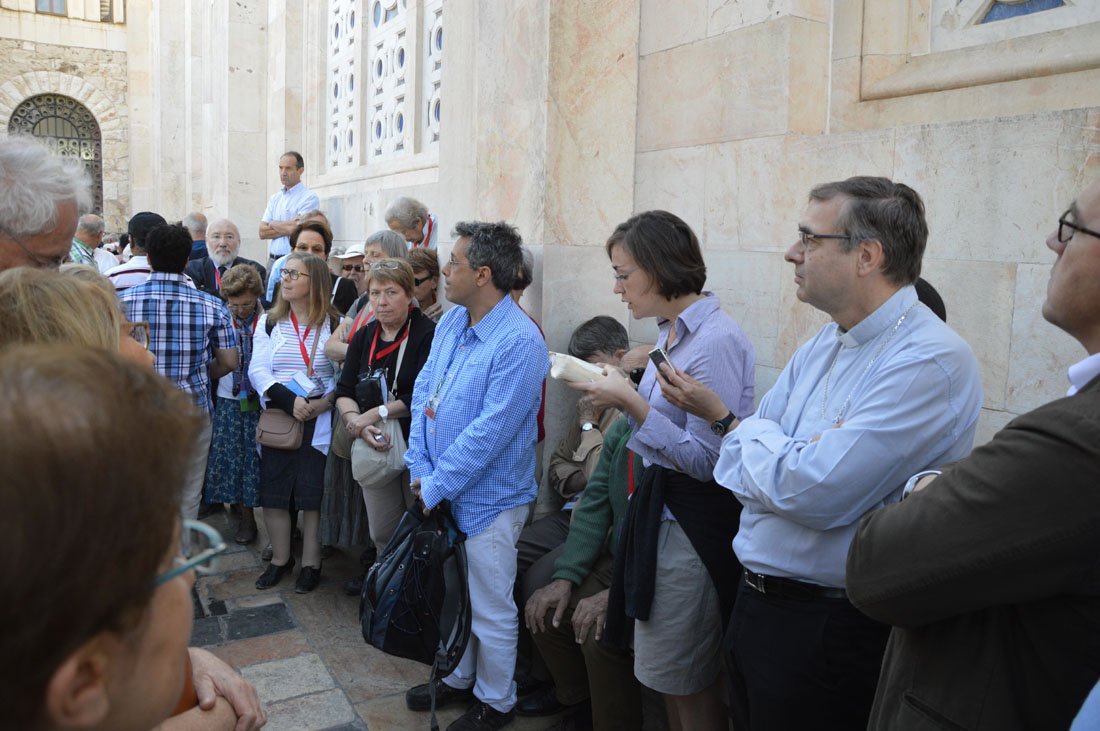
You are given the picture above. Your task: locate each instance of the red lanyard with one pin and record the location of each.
(389, 348)
(239, 323)
(428, 236)
(629, 473)
(359, 321)
(301, 339)
(218, 277)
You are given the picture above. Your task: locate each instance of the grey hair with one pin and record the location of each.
(34, 182)
(407, 211)
(391, 242)
(600, 334)
(494, 245)
(525, 277)
(195, 223)
(91, 223)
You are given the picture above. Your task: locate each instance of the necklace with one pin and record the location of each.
(829, 374)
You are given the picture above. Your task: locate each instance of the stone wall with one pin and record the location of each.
(95, 77)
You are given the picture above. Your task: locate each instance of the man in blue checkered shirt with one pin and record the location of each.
(472, 443)
(190, 333)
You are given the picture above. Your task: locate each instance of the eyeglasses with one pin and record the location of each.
(139, 331)
(385, 265)
(241, 308)
(206, 543)
(40, 262)
(623, 276)
(358, 268)
(454, 263)
(417, 281)
(808, 237)
(1065, 221)
(291, 274)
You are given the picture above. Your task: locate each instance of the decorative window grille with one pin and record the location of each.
(68, 128)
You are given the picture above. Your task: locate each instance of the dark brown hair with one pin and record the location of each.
(112, 517)
(320, 291)
(317, 226)
(665, 248)
(426, 259)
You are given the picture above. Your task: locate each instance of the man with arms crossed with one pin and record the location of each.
(472, 443)
(285, 209)
(885, 390)
(988, 574)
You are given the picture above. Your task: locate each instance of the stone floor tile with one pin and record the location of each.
(207, 631)
(326, 618)
(291, 677)
(240, 560)
(314, 712)
(256, 600)
(365, 672)
(354, 726)
(233, 584)
(262, 649)
(257, 621)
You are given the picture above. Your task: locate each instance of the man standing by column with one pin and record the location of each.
(886, 390)
(195, 223)
(286, 207)
(473, 444)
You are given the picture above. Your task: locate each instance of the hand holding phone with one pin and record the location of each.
(659, 356)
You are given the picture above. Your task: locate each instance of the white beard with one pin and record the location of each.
(221, 260)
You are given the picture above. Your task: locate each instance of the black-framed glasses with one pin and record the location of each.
(358, 268)
(39, 261)
(807, 237)
(291, 274)
(205, 542)
(454, 263)
(385, 264)
(417, 281)
(1064, 223)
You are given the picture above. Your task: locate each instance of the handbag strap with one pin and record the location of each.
(313, 352)
(397, 368)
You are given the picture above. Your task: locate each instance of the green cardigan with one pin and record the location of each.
(602, 507)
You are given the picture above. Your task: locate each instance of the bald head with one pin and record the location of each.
(223, 241)
(196, 225)
(89, 230)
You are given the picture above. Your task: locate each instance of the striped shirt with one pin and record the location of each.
(130, 274)
(185, 325)
(478, 451)
(276, 358)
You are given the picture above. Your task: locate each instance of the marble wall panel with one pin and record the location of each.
(1041, 353)
(756, 190)
(979, 297)
(798, 321)
(666, 25)
(748, 284)
(727, 15)
(994, 188)
(672, 180)
(593, 78)
(990, 421)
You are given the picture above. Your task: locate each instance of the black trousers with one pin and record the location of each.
(810, 663)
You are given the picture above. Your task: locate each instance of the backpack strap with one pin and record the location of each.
(269, 325)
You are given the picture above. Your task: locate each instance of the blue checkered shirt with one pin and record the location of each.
(479, 450)
(185, 325)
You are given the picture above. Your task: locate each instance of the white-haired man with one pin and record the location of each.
(195, 223)
(410, 218)
(223, 241)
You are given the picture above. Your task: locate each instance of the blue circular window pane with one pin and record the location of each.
(351, 83)
(378, 129)
(400, 123)
(335, 143)
(351, 138)
(335, 91)
(439, 39)
(336, 31)
(378, 67)
(351, 19)
(378, 14)
(401, 57)
(436, 111)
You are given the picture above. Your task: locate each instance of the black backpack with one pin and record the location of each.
(416, 600)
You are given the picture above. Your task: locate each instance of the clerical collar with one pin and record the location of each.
(885, 316)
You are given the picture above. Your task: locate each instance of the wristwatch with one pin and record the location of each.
(719, 427)
(636, 375)
(587, 426)
(385, 413)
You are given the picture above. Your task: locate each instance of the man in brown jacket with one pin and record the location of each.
(990, 571)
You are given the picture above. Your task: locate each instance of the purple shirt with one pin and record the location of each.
(713, 349)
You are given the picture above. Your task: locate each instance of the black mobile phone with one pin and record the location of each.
(659, 356)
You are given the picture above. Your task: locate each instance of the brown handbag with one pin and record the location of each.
(278, 429)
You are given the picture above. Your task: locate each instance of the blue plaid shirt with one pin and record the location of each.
(479, 450)
(185, 325)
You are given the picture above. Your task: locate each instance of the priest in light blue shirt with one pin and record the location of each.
(884, 391)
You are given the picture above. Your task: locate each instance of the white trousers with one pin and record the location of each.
(196, 474)
(490, 657)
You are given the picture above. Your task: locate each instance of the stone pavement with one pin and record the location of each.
(304, 652)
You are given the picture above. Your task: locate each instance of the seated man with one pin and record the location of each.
(567, 615)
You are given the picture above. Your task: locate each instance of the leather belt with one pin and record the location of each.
(791, 589)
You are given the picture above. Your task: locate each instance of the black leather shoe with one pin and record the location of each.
(482, 717)
(354, 586)
(308, 579)
(273, 574)
(543, 702)
(417, 698)
(246, 531)
(208, 509)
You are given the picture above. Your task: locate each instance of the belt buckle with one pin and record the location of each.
(755, 581)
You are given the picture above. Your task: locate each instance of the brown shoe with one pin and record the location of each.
(246, 531)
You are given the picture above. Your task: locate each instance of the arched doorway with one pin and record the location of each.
(68, 128)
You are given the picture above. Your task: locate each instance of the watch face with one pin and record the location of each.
(718, 428)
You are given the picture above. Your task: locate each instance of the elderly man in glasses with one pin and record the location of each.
(987, 570)
(223, 242)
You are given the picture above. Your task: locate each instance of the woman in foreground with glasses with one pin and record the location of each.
(291, 373)
(91, 593)
(384, 359)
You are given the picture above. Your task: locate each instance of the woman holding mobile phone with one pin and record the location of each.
(675, 550)
(383, 360)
